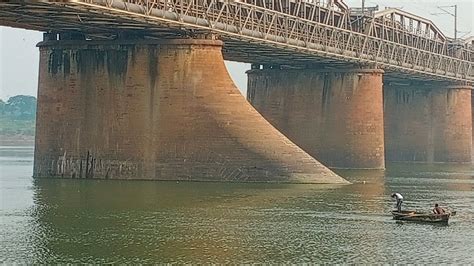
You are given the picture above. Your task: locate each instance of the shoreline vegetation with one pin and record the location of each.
(17, 121)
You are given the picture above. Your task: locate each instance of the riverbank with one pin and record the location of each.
(17, 140)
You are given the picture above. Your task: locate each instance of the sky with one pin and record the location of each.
(19, 55)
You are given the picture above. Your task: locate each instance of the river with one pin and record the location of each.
(109, 221)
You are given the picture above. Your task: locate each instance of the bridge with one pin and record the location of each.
(139, 88)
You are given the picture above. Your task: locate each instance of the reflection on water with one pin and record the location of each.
(89, 221)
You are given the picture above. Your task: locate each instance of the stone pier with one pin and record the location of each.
(334, 115)
(427, 122)
(162, 110)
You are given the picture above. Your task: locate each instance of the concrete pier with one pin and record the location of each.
(163, 110)
(427, 122)
(334, 115)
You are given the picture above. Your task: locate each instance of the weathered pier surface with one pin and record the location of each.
(334, 115)
(428, 122)
(355, 118)
(164, 110)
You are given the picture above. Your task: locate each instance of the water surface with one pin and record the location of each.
(110, 221)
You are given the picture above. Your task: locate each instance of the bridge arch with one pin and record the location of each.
(400, 20)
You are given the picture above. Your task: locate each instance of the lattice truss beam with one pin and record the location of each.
(269, 31)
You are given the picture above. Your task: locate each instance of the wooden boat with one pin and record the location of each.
(421, 217)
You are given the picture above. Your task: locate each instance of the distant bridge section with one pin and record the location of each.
(282, 33)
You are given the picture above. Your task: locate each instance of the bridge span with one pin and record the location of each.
(135, 88)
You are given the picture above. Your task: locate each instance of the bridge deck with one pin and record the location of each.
(257, 34)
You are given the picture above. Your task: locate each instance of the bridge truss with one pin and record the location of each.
(293, 33)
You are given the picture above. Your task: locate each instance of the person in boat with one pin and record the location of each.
(438, 210)
(399, 198)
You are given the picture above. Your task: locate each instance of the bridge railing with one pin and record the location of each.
(253, 23)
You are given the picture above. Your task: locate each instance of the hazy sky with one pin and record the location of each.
(19, 55)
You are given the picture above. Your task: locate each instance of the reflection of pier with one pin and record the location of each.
(166, 221)
(138, 89)
(368, 188)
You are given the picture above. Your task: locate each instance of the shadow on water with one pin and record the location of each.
(407, 223)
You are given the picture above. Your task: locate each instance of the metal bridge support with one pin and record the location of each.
(334, 115)
(427, 122)
(164, 110)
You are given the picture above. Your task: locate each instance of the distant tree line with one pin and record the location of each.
(18, 115)
(21, 107)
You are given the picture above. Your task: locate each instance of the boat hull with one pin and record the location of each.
(414, 216)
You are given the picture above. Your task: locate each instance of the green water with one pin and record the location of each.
(89, 221)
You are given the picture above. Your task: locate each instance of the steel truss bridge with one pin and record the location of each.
(283, 33)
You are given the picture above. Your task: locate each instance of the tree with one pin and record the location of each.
(21, 107)
(2, 107)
